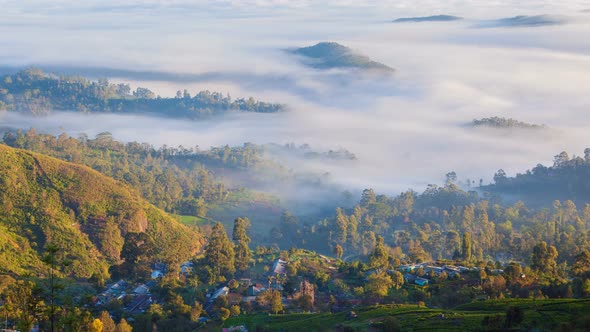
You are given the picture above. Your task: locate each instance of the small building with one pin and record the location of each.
(249, 299)
(409, 278)
(157, 274)
(404, 268)
(256, 289)
(245, 282)
(279, 267)
(421, 281)
(141, 289)
(222, 291)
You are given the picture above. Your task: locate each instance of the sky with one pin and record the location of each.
(407, 130)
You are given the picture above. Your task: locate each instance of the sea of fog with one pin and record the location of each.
(407, 130)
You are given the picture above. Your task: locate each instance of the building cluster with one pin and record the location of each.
(431, 270)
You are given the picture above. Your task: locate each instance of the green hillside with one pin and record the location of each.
(47, 201)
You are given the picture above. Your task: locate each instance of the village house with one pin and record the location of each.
(279, 267)
(255, 289)
(421, 281)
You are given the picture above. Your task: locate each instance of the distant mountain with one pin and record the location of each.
(498, 122)
(47, 201)
(525, 21)
(434, 18)
(330, 55)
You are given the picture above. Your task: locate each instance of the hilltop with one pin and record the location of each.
(48, 201)
(498, 122)
(331, 55)
(433, 18)
(526, 21)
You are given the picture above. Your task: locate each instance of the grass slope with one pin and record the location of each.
(45, 200)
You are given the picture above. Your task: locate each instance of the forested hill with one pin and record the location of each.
(331, 55)
(568, 178)
(92, 218)
(35, 92)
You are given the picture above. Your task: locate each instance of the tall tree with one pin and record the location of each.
(338, 251)
(219, 253)
(108, 324)
(544, 258)
(379, 258)
(241, 240)
(466, 246)
(25, 302)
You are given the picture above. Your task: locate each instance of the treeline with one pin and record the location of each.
(431, 225)
(173, 179)
(182, 180)
(499, 122)
(567, 178)
(35, 92)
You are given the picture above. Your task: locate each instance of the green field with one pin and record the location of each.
(192, 220)
(540, 315)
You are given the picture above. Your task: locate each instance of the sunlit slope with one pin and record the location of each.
(44, 200)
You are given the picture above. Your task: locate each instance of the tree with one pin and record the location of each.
(340, 226)
(224, 314)
(581, 266)
(241, 240)
(123, 326)
(368, 198)
(452, 243)
(235, 310)
(466, 246)
(77, 320)
(495, 285)
(219, 253)
(25, 302)
(379, 258)
(544, 258)
(108, 324)
(144, 93)
(137, 248)
(196, 311)
(398, 279)
(96, 326)
(338, 251)
(450, 177)
(378, 284)
(200, 207)
(561, 159)
(276, 302)
(50, 259)
(500, 177)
